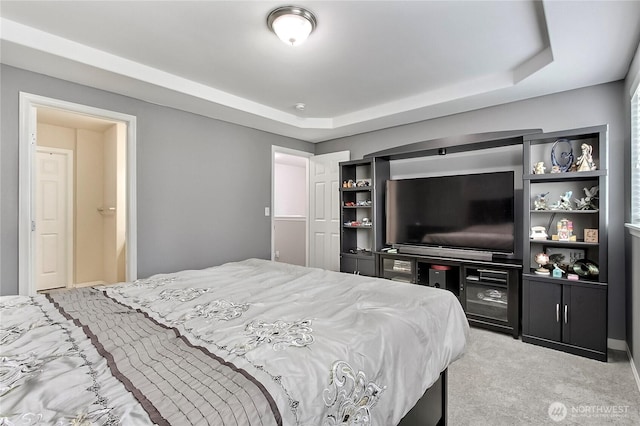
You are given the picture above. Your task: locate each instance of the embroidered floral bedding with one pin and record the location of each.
(245, 343)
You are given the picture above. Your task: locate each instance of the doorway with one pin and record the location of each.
(96, 244)
(289, 221)
(306, 208)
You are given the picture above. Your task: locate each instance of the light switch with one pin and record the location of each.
(266, 211)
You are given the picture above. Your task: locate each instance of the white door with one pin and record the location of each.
(324, 210)
(52, 217)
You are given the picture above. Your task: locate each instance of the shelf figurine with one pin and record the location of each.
(564, 203)
(557, 272)
(540, 203)
(564, 161)
(565, 230)
(538, 233)
(539, 168)
(585, 162)
(588, 202)
(541, 259)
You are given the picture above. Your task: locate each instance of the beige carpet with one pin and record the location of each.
(503, 381)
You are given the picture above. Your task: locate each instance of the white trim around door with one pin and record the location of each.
(27, 148)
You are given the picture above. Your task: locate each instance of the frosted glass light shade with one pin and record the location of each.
(292, 29)
(291, 24)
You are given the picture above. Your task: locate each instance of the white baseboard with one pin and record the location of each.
(617, 345)
(87, 284)
(633, 369)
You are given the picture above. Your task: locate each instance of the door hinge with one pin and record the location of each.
(33, 225)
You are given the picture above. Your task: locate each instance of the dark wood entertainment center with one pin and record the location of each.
(501, 293)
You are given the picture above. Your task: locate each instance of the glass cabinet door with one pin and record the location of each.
(397, 269)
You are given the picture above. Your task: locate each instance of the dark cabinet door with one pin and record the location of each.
(358, 265)
(544, 306)
(348, 264)
(584, 313)
(367, 267)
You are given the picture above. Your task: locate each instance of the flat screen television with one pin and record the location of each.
(473, 212)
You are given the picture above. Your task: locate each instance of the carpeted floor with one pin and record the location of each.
(503, 381)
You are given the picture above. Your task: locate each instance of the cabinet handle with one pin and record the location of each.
(566, 313)
(557, 312)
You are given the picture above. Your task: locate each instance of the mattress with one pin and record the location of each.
(245, 343)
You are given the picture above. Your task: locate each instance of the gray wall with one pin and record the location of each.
(602, 104)
(202, 184)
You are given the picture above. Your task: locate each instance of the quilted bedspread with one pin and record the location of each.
(245, 343)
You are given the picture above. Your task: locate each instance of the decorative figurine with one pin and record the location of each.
(566, 157)
(540, 202)
(541, 259)
(555, 169)
(564, 203)
(538, 233)
(565, 230)
(539, 168)
(585, 162)
(588, 202)
(557, 272)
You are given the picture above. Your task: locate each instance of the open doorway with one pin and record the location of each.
(290, 171)
(77, 195)
(80, 203)
(306, 208)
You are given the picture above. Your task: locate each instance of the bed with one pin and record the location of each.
(253, 342)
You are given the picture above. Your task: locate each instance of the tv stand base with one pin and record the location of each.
(489, 291)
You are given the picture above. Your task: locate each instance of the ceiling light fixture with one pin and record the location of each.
(292, 24)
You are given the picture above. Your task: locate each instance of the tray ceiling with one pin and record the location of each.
(369, 64)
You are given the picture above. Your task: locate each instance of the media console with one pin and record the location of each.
(488, 291)
(565, 310)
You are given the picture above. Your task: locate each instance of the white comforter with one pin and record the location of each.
(323, 344)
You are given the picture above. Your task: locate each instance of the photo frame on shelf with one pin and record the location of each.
(564, 257)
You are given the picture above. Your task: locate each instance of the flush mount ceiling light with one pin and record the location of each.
(292, 24)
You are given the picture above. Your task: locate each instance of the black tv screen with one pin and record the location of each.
(471, 211)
